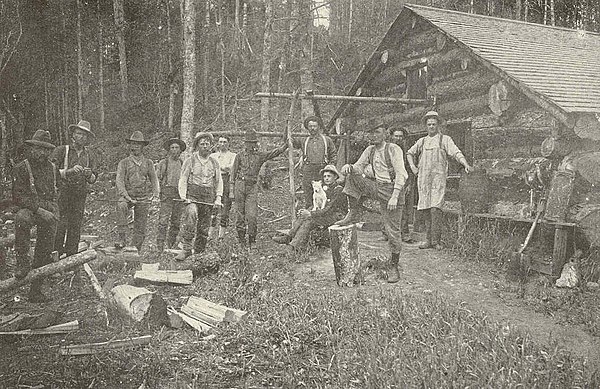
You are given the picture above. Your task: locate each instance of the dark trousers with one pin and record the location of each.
(360, 187)
(169, 217)
(224, 212)
(433, 224)
(246, 209)
(68, 233)
(25, 219)
(197, 218)
(310, 172)
(140, 220)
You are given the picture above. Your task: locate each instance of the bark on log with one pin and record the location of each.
(587, 126)
(140, 304)
(587, 217)
(44, 271)
(346, 259)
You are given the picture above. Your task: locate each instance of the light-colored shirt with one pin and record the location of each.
(380, 166)
(225, 160)
(202, 172)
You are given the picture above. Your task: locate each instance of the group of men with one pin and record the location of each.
(51, 185)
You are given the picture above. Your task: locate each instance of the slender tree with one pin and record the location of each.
(266, 65)
(189, 71)
(171, 78)
(120, 31)
(100, 68)
(79, 65)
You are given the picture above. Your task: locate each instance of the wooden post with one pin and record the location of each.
(291, 154)
(344, 250)
(559, 253)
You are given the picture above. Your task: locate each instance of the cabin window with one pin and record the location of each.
(416, 82)
(461, 135)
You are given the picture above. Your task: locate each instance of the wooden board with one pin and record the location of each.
(94, 348)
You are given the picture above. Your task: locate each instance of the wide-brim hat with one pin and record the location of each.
(378, 124)
(430, 114)
(330, 168)
(251, 136)
(41, 138)
(82, 125)
(310, 119)
(137, 137)
(202, 135)
(170, 141)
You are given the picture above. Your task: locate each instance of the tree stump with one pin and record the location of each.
(344, 250)
(140, 304)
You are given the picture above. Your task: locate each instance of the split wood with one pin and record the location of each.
(94, 348)
(52, 330)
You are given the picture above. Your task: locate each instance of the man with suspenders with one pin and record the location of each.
(35, 193)
(77, 167)
(318, 150)
(169, 215)
(379, 174)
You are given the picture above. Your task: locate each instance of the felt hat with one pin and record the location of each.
(82, 125)
(431, 114)
(41, 138)
(378, 124)
(202, 135)
(178, 141)
(330, 168)
(310, 119)
(137, 137)
(250, 136)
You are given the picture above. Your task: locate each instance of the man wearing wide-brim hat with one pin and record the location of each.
(34, 192)
(243, 188)
(428, 159)
(201, 186)
(77, 166)
(169, 214)
(137, 187)
(309, 219)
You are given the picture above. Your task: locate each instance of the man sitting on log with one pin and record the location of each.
(384, 181)
(432, 152)
(243, 188)
(137, 186)
(201, 186)
(308, 220)
(35, 194)
(169, 215)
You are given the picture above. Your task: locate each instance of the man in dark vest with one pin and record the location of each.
(335, 208)
(318, 150)
(77, 167)
(379, 174)
(35, 193)
(243, 188)
(137, 186)
(168, 172)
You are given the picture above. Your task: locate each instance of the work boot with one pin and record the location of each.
(222, 231)
(354, 213)
(393, 274)
(282, 239)
(35, 293)
(183, 255)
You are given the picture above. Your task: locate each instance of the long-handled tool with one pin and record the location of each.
(197, 202)
(516, 267)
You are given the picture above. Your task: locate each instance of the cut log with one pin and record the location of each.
(177, 277)
(140, 304)
(94, 348)
(587, 126)
(587, 218)
(44, 271)
(346, 259)
(63, 328)
(499, 98)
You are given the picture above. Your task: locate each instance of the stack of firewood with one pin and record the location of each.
(204, 315)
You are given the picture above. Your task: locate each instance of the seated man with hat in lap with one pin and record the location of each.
(137, 186)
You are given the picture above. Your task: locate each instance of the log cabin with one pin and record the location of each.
(521, 100)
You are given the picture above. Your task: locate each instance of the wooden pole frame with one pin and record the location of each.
(290, 142)
(364, 99)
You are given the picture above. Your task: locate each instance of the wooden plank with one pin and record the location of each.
(196, 324)
(94, 348)
(177, 277)
(200, 316)
(52, 330)
(342, 98)
(509, 218)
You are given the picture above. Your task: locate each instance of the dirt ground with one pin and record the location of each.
(475, 285)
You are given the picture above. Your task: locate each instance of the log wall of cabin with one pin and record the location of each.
(461, 86)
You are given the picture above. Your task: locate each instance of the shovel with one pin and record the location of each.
(516, 266)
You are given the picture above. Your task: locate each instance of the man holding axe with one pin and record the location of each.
(201, 186)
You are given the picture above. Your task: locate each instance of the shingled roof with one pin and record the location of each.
(559, 63)
(554, 65)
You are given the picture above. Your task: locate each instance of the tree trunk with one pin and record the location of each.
(79, 65)
(545, 12)
(306, 69)
(172, 83)
(346, 259)
(552, 19)
(222, 52)
(206, 54)
(3, 153)
(518, 6)
(120, 31)
(266, 66)
(526, 11)
(189, 72)
(350, 16)
(101, 69)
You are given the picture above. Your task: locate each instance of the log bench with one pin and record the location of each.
(559, 249)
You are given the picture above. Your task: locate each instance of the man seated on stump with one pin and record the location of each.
(308, 220)
(35, 194)
(431, 154)
(201, 186)
(384, 181)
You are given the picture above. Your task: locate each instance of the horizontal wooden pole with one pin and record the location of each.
(370, 99)
(268, 134)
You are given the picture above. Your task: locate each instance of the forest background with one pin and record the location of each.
(181, 66)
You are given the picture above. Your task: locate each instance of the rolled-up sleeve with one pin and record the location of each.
(397, 157)
(218, 179)
(363, 161)
(183, 178)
